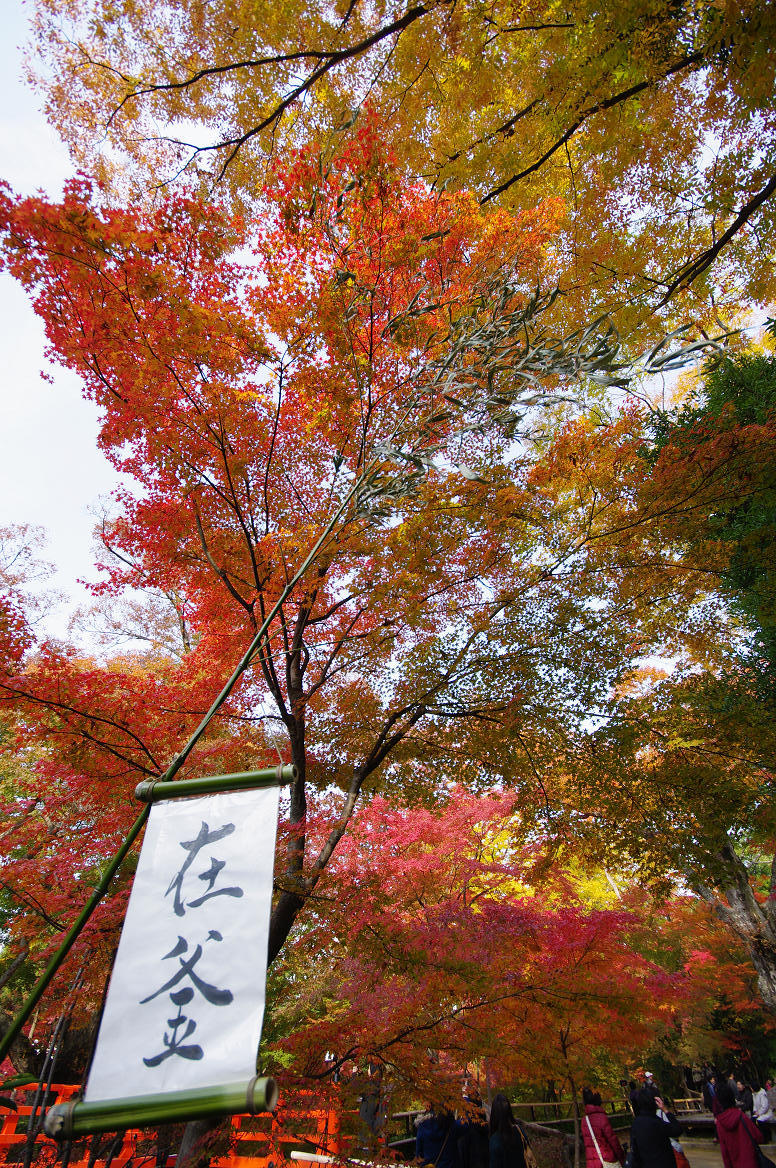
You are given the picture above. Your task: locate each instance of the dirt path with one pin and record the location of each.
(705, 1154)
(702, 1153)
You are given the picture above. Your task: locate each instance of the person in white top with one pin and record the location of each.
(761, 1109)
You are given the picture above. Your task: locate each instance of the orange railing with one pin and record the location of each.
(260, 1141)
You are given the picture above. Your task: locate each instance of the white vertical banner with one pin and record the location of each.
(186, 998)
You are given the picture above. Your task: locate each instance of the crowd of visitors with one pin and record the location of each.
(742, 1114)
(752, 1099)
(479, 1141)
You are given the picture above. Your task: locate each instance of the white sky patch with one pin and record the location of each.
(51, 471)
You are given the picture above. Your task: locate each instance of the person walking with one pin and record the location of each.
(474, 1141)
(633, 1092)
(508, 1141)
(651, 1136)
(602, 1148)
(738, 1134)
(679, 1155)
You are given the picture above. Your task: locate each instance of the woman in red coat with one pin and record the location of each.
(738, 1134)
(601, 1144)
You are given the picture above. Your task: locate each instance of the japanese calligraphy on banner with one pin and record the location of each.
(186, 998)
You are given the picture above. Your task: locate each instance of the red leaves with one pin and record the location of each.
(430, 936)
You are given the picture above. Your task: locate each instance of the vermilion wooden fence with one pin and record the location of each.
(260, 1141)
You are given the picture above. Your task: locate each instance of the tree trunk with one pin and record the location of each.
(575, 1110)
(25, 1059)
(755, 924)
(194, 1147)
(283, 916)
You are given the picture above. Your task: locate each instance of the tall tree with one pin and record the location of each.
(456, 622)
(245, 399)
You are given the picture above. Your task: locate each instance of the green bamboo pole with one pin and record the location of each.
(67, 1121)
(152, 791)
(41, 984)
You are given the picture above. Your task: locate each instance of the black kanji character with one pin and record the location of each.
(211, 993)
(176, 1044)
(210, 876)
(193, 847)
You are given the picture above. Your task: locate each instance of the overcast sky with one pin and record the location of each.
(51, 471)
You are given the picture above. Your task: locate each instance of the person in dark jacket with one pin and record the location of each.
(651, 1136)
(507, 1138)
(436, 1140)
(601, 1144)
(738, 1134)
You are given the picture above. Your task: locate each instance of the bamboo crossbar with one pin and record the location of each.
(153, 790)
(65, 1121)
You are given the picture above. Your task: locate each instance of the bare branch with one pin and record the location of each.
(330, 59)
(696, 267)
(609, 103)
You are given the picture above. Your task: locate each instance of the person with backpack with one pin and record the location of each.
(602, 1148)
(509, 1147)
(738, 1134)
